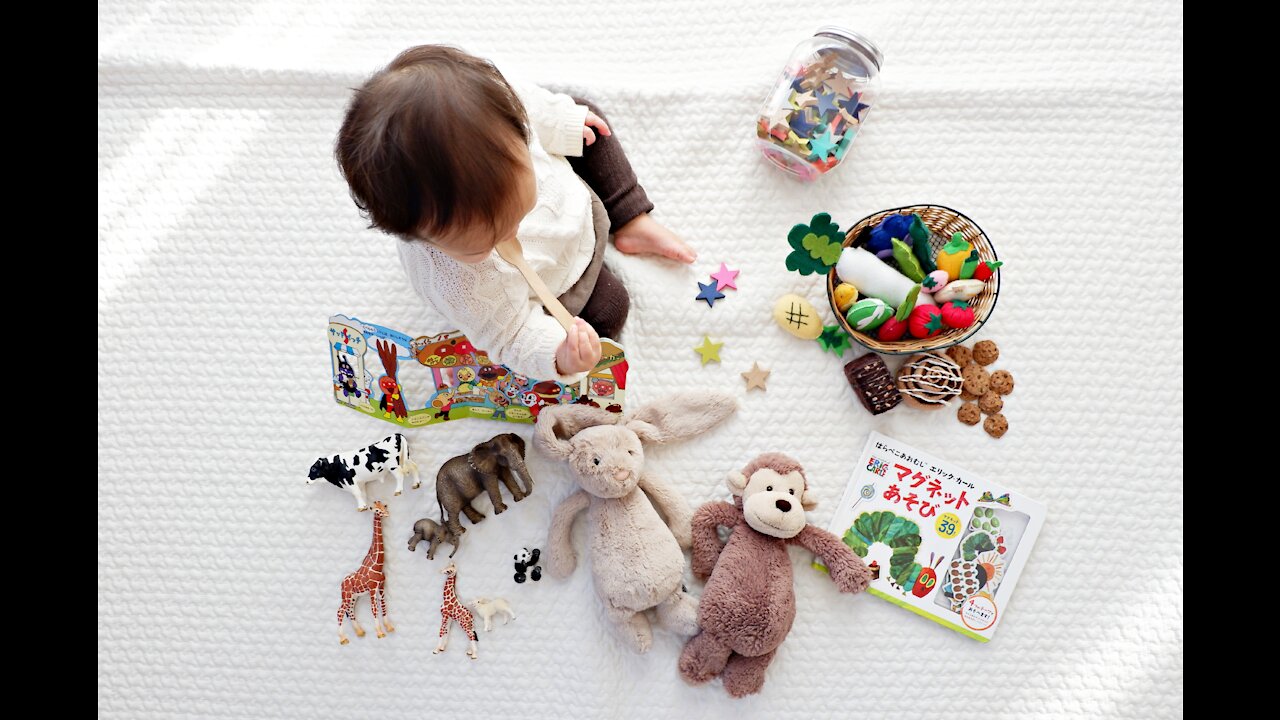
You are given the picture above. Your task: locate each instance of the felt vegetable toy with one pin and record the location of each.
(637, 561)
(892, 329)
(970, 265)
(920, 234)
(908, 304)
(880, 240)
(816, 246)
(749, 603)
(959, 290)
(951, 256)
(957, 314)
(907, 261)
(867, 314)
(925, 321)
(934, 281)
(985, 270)
(874, 278)
(845, 295)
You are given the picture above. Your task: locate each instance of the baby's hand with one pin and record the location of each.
(594, 121)
(580, 351)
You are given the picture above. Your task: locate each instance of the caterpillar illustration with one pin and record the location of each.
(900, 535)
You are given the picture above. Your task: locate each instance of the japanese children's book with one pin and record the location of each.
(948, 545)
(429, 379)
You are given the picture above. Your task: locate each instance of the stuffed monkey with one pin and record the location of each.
(749, 602)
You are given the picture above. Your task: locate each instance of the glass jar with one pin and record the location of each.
(824, 95)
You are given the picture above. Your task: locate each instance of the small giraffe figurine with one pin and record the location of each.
(368, 579)
(451, 609)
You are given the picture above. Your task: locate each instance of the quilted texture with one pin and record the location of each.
(225, 239)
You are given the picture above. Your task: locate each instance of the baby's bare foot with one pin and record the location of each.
(646, 236)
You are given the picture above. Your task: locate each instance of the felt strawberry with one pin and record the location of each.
(925, 321)
(957, 314)
(892, 329)
(985, 270)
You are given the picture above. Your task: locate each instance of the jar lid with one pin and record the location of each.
(861, 41)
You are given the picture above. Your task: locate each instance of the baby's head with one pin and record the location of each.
(435, 148)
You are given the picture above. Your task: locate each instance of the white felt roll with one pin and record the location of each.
(876, 279)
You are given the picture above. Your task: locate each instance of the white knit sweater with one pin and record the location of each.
(490, 301)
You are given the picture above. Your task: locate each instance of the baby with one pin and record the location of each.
(441, 151)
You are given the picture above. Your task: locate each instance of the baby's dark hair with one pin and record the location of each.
(418, 146)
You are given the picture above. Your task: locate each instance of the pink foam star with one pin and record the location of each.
(725, 278)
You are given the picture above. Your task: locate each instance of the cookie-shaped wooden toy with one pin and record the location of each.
(1002, 382)
(961, 354)
(985, 352)
(976, 379)
(990, 403)
(996, 425)
(969, 414)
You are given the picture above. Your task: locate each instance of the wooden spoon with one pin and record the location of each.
(511, 251)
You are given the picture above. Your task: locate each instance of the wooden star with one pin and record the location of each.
(756, 377)
(710, 351)
(800, 101)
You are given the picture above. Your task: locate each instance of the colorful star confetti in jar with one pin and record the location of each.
(814, 112)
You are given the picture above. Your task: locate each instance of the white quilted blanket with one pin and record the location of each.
(226, 239)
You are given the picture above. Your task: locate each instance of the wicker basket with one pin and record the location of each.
(943, 221)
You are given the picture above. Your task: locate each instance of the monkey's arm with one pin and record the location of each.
(848, 571)
(673, 507)
(561, 558)
(706, 543)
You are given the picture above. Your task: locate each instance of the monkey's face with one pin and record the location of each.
(773, 504)
(607, 460)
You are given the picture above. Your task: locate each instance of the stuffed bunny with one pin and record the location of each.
(637, 561)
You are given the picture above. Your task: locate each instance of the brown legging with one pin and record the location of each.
(605, 168)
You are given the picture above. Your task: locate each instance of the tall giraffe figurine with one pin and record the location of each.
(451, 610)
(368, 579)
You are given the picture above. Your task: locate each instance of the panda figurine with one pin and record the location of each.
(527, 565)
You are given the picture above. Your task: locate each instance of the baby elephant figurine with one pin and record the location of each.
(435, 533)
(486, 608)
(636, 552)
(488, 466)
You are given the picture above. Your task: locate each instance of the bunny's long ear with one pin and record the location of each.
(680, 416)
(558, 423)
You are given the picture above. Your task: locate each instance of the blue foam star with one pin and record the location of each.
(803, 123)
(709, 293)
(827, 103)
(854, 107)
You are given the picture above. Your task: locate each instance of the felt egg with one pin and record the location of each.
(925, 321)
(957, 314)
(845, 295)
(959, 290)
(934, 281)
(868, 314)
(798, 317)
(892, 329)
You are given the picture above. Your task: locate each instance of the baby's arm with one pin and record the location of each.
(555, 117)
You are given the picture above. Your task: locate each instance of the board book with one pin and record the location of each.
(947, 544)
